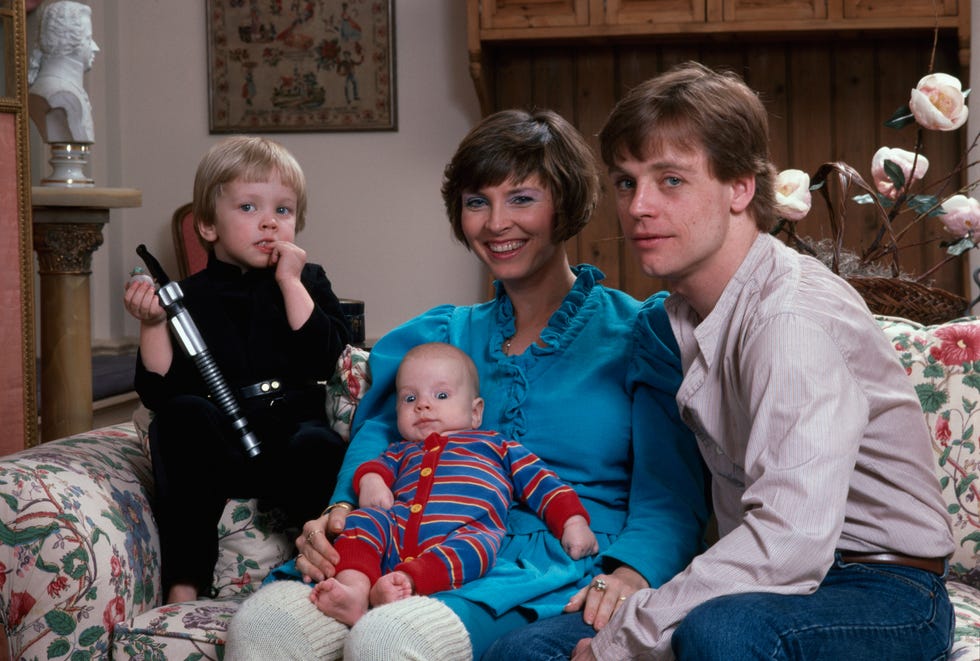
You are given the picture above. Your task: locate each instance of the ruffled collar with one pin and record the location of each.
(586, 278)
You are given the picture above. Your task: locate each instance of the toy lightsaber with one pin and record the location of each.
(189, 337)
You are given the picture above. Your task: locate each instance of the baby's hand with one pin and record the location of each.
(577, 538)
(288, 259)
(142, 302)
(374, 492)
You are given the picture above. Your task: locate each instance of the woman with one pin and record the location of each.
(569, 368)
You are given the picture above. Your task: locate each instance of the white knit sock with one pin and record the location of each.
(280, 622)
(413, 629)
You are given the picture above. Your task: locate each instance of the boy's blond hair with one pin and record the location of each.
(250, 159)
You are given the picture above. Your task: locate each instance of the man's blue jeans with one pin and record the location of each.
(860, 611)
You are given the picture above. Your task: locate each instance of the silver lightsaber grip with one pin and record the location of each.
(190, 340)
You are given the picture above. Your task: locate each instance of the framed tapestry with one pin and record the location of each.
(301, 65)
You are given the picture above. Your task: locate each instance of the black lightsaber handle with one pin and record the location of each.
(190, 340)
(152, 265)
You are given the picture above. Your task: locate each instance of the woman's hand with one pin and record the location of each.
(318, 558)
(602, 598)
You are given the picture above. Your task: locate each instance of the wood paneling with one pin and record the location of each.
(827, 101)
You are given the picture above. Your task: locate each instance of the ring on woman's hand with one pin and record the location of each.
(622, 599)
(599, 585)
(309, 538)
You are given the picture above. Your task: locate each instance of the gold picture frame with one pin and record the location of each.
(18, 376)
(301, 65)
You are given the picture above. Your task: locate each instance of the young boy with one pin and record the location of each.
(275, 329)
(434, 506)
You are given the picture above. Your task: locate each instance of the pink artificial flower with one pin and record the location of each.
(938, 103)
(793, 194)
(961, 215)
(960, 344)
(903, 159)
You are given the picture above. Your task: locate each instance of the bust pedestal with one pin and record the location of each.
(67, 227)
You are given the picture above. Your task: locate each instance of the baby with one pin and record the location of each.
(434, 505)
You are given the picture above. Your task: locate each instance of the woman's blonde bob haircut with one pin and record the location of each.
(250, 159)
(513, 145)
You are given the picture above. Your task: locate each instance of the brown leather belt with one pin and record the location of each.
(935, 565)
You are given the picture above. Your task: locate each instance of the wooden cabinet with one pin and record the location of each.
(502, 14)
(858, 9)
(508, 20)
(649, 12)
(773, 10)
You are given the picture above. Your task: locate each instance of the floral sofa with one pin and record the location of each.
(79, 554)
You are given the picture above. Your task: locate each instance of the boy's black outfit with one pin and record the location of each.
(198, 458)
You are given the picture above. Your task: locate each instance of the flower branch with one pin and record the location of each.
(897, 187)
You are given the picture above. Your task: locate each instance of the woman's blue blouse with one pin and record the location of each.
(596, 403)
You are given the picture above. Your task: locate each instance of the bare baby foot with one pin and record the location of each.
(391, 587)
(344, 603)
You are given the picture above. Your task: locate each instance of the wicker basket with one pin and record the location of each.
(908, 299)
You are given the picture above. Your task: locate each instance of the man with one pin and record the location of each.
(833, 533)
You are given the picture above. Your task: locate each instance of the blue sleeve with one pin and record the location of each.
(668, 508)
(374, 426)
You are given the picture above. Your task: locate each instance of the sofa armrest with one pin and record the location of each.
(79, 549)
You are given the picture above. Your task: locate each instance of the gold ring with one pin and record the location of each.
(599, 585)
(309, 538)
(623, 598)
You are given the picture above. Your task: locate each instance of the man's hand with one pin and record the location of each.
(583, 651)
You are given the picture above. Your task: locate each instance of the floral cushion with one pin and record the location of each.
(944, 364)
(350, 380)
(78, 547)
(966, 606)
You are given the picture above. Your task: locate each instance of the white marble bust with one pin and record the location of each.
(65, 50)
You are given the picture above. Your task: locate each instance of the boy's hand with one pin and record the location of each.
(373, 492)
(142, 302)
(288, 259)
(577, 538)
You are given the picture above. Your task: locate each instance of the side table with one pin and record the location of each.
(67, 226)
